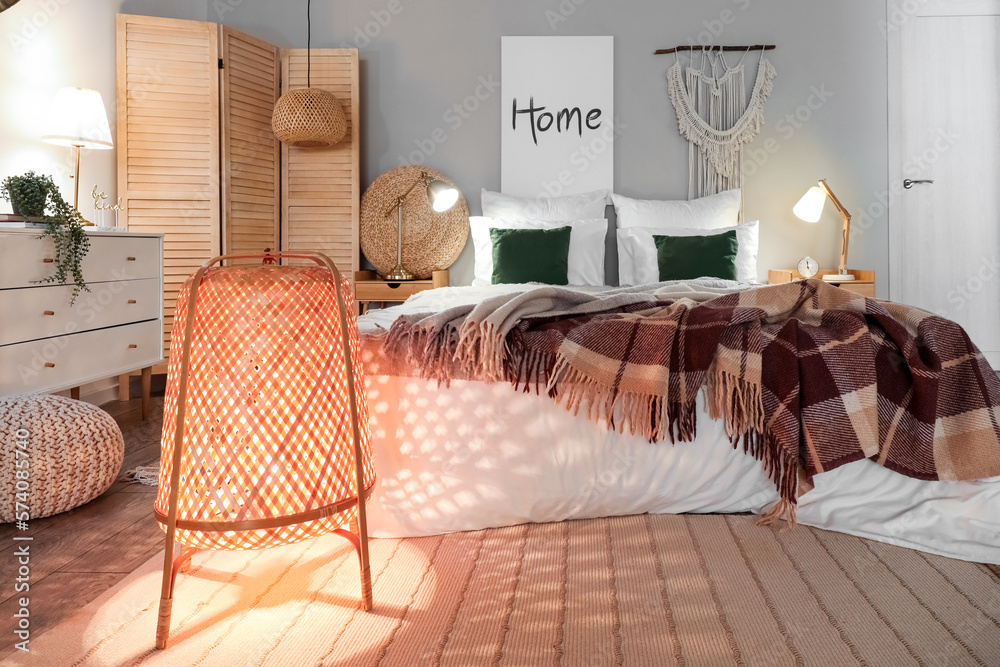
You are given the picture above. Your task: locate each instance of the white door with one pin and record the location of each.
(944, 125)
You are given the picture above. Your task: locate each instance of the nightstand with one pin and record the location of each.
(368, 287)
(863, 283)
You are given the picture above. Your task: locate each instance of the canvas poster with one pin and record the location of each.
(557, 115)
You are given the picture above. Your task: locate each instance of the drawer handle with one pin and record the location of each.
(48, 260)
(132, 346)
(49, 364)
(48, 312)
(130, 259)
(131, 300)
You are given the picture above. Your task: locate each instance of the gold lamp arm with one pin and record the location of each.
(399, 200)
(423, 179)
(847, 225)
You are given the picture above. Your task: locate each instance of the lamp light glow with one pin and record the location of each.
(810, 207)
(265, 432)
(441, 195)
(78, 119)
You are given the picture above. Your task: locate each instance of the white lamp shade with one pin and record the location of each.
(442, 195)
(810, 207)
(78, 118)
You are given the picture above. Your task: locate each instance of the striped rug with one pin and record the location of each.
(640, 590)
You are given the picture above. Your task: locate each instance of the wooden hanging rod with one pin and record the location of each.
(687, 47)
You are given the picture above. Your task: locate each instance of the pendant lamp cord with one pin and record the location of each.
(309, 32)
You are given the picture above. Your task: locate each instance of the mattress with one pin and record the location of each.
(474, 455)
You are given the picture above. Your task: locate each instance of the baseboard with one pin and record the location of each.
(98, 393)
(99, 396)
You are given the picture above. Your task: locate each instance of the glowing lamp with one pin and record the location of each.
(810, 209)
(77, 118)
(265, 420)
(441, 196)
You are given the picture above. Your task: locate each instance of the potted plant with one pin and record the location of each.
(28, 194)
(36, 196)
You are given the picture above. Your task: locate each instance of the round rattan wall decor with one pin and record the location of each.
(431, 241)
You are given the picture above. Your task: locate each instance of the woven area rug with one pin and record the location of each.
(639, 590)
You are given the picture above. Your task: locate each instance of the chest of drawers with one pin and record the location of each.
(48, 345)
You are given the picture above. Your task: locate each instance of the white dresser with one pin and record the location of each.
(47, 345)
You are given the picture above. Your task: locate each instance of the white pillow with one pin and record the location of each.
(711, 212)
(586, 247)
(637, 252)
(588, 206)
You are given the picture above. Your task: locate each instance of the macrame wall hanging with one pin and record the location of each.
(715, 114)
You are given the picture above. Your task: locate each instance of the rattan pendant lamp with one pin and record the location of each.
(309, 117)
(265, 432)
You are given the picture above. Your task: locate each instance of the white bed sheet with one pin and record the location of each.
(475, 455)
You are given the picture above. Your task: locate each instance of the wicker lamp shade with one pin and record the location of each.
(432, 241)
(309, 118)
(265, 431)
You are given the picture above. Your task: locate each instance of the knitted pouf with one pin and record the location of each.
(55, 454)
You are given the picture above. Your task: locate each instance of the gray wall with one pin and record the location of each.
(427, 55)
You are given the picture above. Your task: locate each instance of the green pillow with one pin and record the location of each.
(530, 255)
(688, 257)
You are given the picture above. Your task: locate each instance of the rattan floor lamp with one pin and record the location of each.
(265, 430)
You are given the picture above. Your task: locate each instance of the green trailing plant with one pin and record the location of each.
(38, 196)
(65, 225)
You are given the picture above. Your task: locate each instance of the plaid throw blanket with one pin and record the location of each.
(807, 376)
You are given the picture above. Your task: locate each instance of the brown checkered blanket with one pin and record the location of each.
(807, 376)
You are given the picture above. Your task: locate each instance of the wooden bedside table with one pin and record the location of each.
(368, 288)
(863, 283)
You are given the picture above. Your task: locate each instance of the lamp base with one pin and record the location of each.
(397, 274)
(838, 277)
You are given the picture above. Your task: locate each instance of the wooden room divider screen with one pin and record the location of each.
(197, 160)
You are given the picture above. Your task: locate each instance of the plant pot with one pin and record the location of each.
(18, 210)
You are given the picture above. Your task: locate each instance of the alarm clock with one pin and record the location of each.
(808, 267)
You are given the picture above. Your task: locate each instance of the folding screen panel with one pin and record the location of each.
(168, 141)
(251, 166)
(320, 188)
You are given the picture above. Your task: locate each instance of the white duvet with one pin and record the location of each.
(476, 455)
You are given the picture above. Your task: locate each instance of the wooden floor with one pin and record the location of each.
(77, 555)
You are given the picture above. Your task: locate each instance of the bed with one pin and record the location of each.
(459, 453)
(470, 455)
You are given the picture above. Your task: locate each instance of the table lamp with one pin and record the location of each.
(810, 209)
(441, 197)
(78, 119)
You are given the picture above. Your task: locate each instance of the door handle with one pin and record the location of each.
(907, 183)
